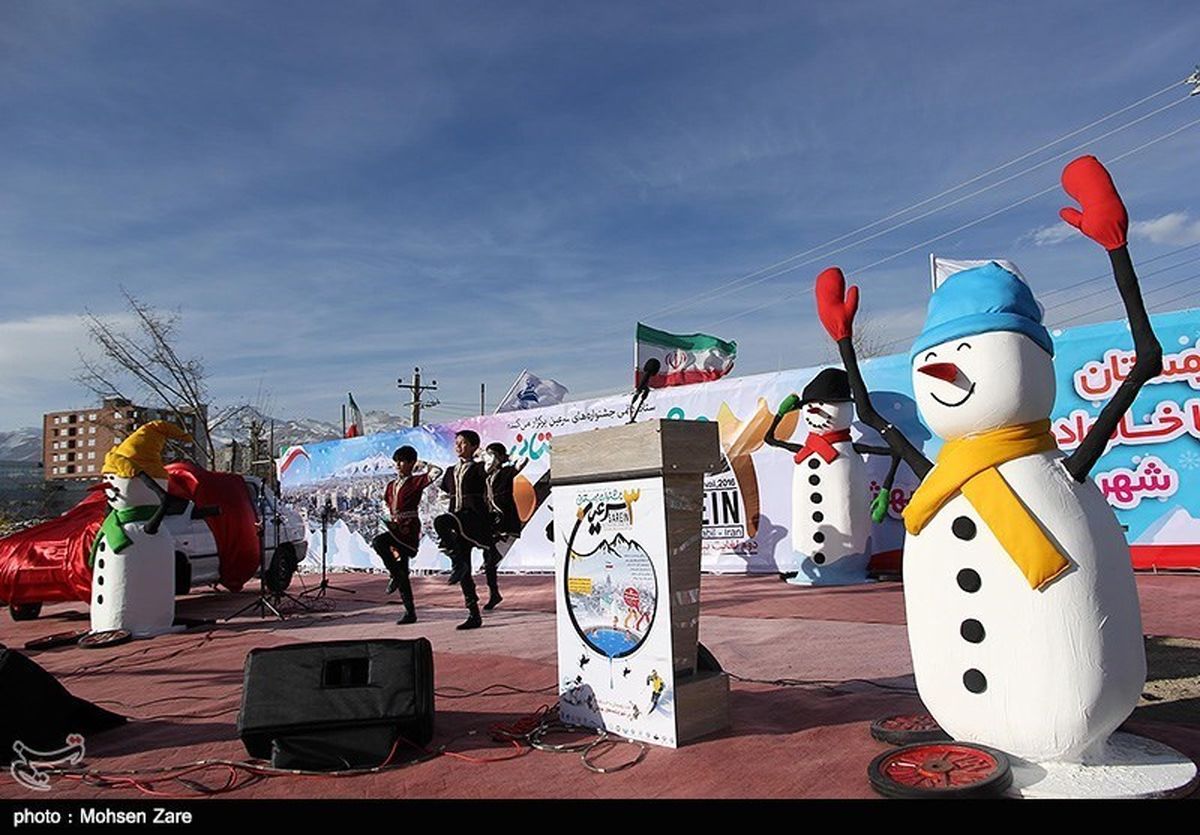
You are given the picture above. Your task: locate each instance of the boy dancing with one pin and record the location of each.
(466, 525)
(399, 542)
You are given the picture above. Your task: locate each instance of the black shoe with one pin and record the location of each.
(473, 621)
(409, 617)
(393, 584)
(493, 601)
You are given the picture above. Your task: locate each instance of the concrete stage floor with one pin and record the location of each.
(847, 648)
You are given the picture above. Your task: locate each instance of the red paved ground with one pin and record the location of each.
(803, 741)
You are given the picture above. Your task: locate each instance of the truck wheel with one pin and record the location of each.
(281, 569)
(25, 611)
(183, 573)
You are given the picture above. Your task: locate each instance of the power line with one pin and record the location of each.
(739, 283)
(1106, 276)
(957, 229)
(1168, 302)
(417, 391)
(1106, 289)
(1108, 304)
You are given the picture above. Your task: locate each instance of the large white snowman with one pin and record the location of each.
(1023, 616)
(133, 569)
(831, 516)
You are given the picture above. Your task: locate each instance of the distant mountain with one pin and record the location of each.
(300, 431)
(21, 444)
(376, 465)
(26, 444)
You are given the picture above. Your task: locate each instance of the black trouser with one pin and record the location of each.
(459, 548)
(491, 559)
(396, 566)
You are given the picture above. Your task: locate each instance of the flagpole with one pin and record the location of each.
(481, 391)
(511, 389)
(636, 367)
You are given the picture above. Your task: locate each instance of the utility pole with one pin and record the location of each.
(417, 390)
(481, 394)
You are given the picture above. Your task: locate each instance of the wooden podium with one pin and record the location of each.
(627, 520)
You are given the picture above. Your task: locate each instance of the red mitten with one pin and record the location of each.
(836, 305)
(1103, 218)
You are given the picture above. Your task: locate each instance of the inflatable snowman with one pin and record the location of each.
(831, 514)
(1023, 617)
(132, 558)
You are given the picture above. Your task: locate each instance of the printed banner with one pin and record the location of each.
(615, 659)
(1150, 472)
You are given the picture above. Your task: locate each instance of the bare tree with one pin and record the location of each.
(142, 360)
(867, 342)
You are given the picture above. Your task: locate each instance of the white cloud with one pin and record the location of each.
(1055, 233)
(1176, 228)
(1173, 228)
(38, 362)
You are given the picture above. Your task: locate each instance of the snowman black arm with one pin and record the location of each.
(867, 449)
(773, 441)
(900, 445)
(1147, 366)
(153, 523)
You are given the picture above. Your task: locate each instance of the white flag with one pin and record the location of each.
(942, 268)
(532, 392)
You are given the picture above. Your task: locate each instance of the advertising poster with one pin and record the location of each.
(614, 616)
(1150, 473)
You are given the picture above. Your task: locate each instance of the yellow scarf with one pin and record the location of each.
(969, 465)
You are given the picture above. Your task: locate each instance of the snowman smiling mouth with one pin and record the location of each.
(949, 372)
(817, 418)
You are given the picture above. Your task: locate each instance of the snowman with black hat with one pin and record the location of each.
(831, 506)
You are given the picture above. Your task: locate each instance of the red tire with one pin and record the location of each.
(940, 769)
(58, 639)
(908, 729)
(109, 638)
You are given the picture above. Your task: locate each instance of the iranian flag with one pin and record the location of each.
(691, 358)
(356, 419)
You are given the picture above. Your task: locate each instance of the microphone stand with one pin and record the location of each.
(321, 588)
(635, 406)
(268, 600)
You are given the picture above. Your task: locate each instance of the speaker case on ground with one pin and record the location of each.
(337, 704)
(37, 711)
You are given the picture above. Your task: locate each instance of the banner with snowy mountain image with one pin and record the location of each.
(614, 623)
(1150, 473)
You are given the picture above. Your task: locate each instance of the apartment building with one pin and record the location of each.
(74, 442)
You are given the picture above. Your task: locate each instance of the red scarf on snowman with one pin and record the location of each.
(822, 444)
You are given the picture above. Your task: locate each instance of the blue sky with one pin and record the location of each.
(332, 194)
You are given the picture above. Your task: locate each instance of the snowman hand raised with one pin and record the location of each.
(790, 404)
(836, 305)
(1103, 218)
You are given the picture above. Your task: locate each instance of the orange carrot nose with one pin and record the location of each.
(947, 371)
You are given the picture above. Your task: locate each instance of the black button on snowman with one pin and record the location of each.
(1022, 613)
(133, 561)
(831, 516)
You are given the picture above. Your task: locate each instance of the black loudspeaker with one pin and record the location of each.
(38, 712)
(339, 704)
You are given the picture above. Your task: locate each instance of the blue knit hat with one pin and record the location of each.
(982, 300)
